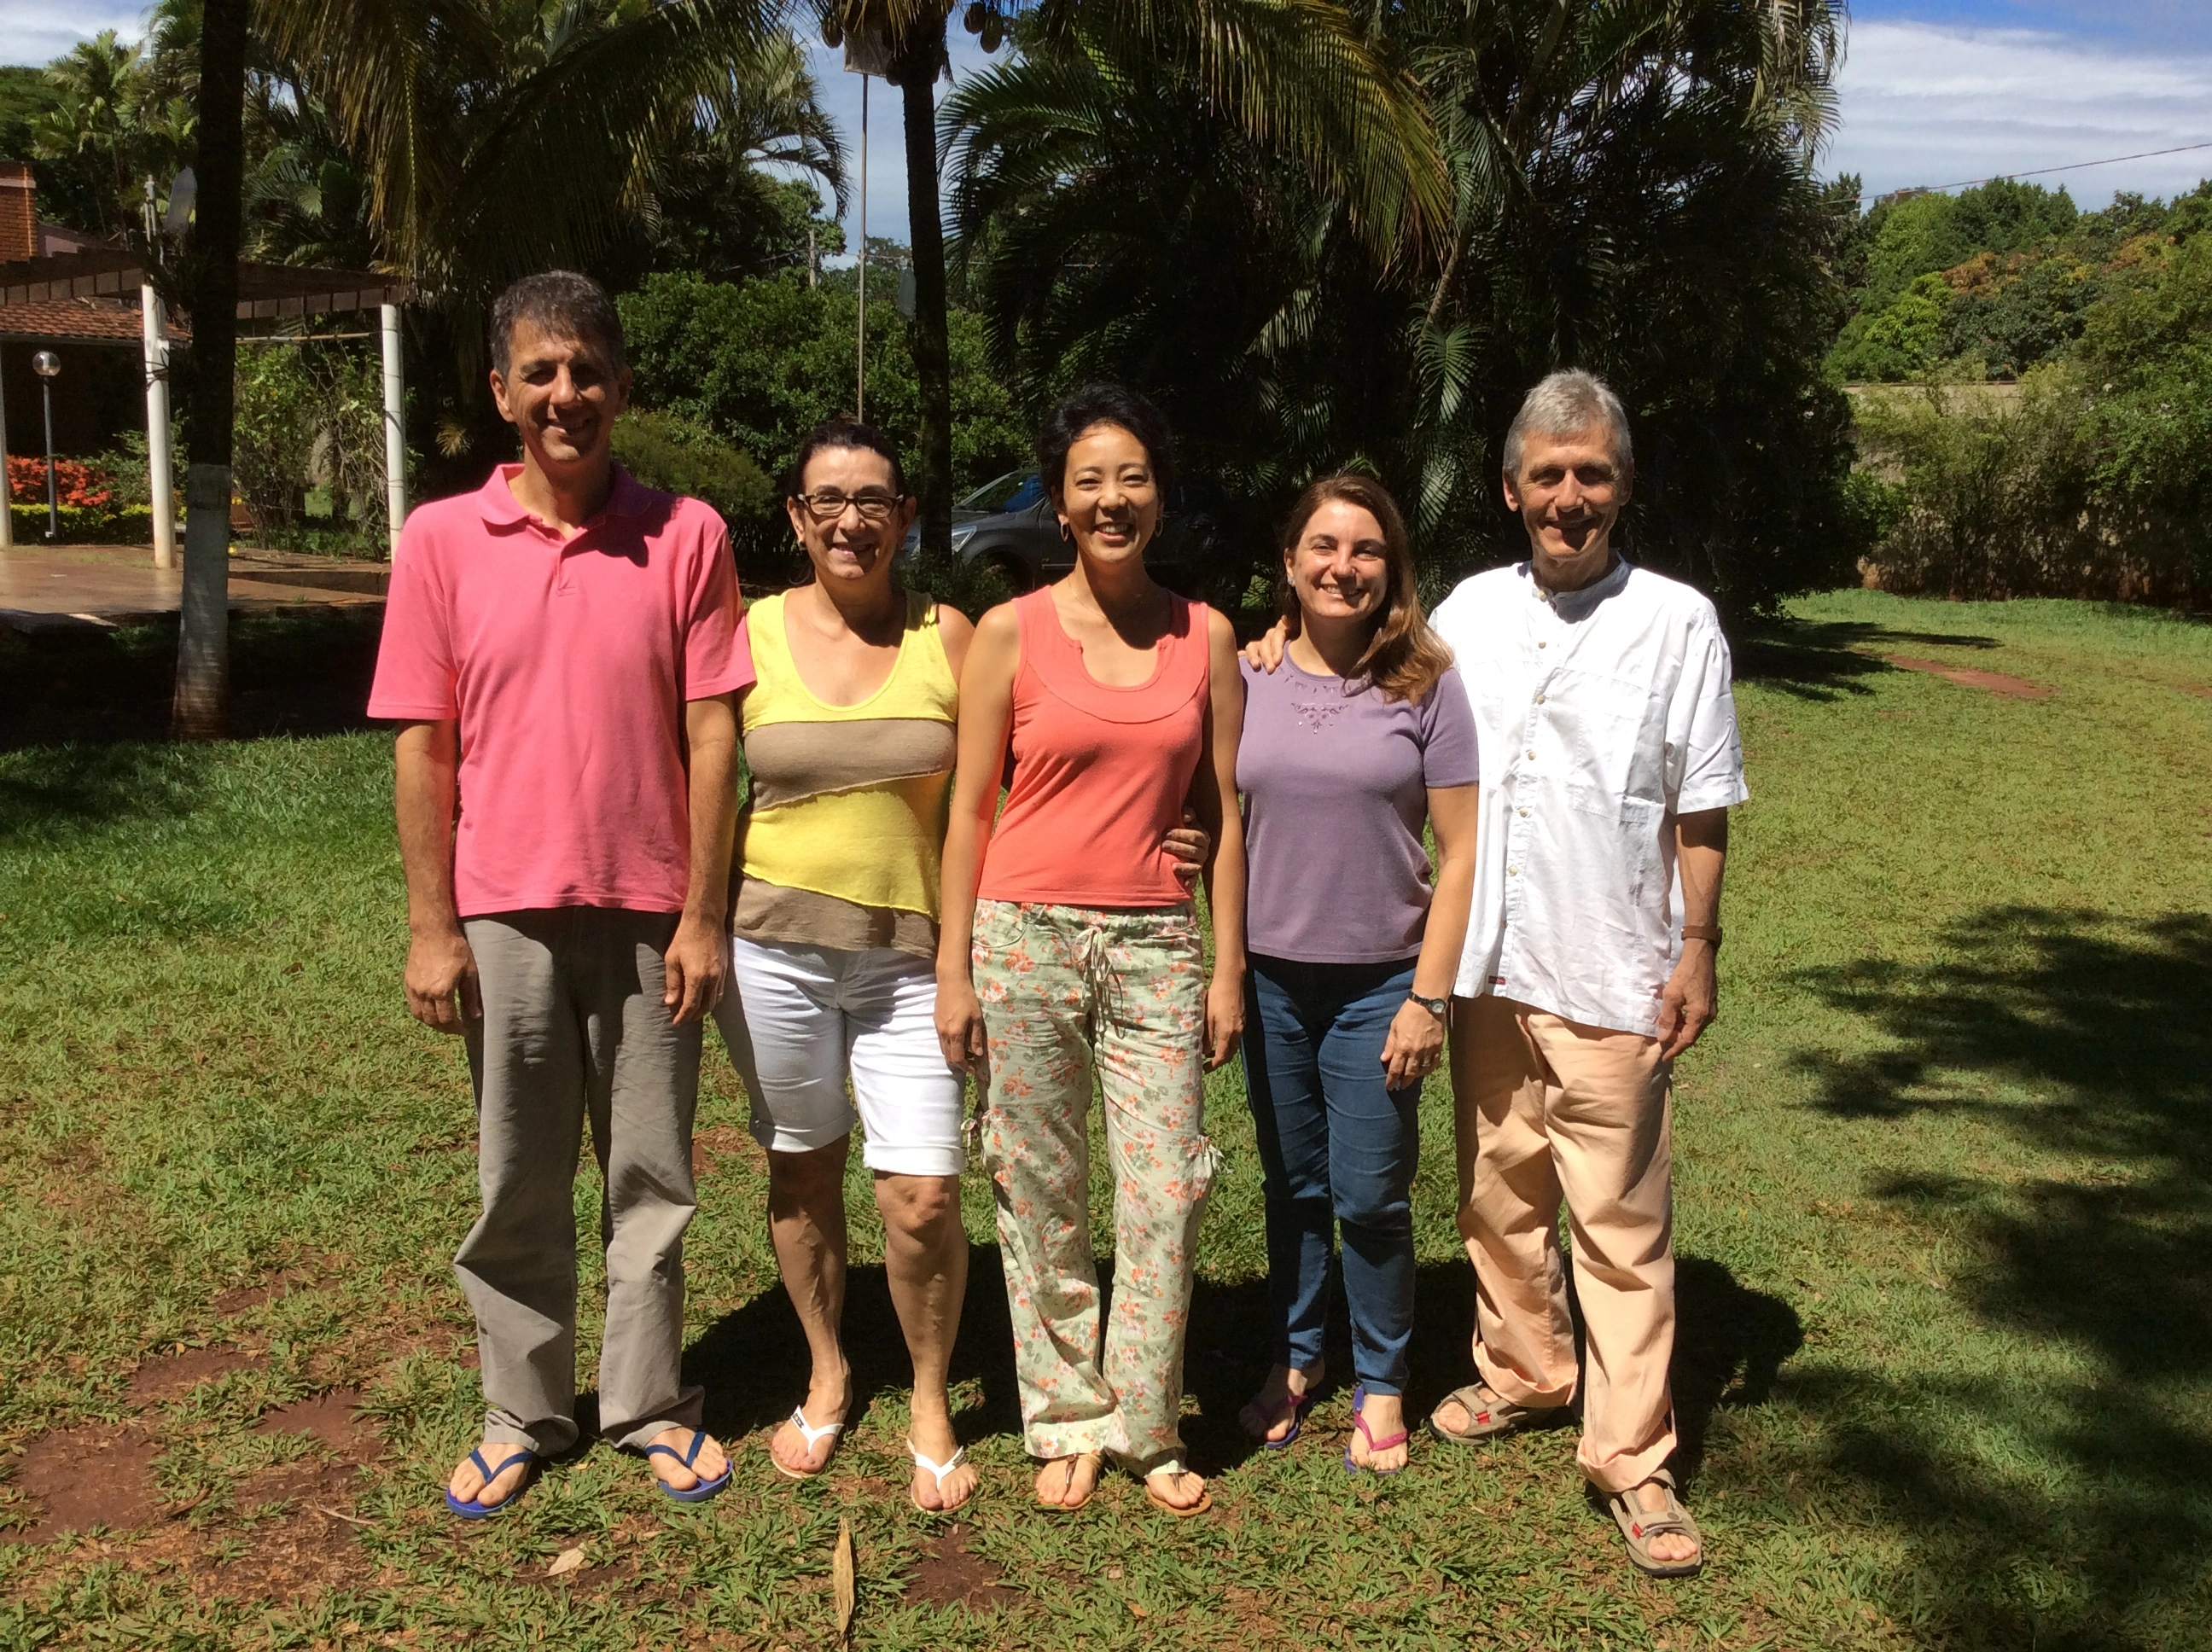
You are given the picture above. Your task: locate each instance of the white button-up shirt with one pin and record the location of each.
(1601, 714)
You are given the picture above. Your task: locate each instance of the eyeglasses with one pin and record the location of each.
(875, 505)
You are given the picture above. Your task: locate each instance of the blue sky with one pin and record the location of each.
(1932, 92)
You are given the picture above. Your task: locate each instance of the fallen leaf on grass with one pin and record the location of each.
(840, 1574)
(567, 1561)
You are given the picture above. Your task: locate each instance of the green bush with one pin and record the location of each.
(124, 525)
(682, 456)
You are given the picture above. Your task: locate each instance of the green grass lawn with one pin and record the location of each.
(1944, 1212)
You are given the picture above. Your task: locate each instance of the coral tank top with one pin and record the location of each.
(1100, 774)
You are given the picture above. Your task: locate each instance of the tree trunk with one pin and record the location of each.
(201, 709)
(933, 367)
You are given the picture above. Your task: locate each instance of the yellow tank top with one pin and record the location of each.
(845, 820)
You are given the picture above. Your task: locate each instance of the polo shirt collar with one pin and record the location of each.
(495, 500)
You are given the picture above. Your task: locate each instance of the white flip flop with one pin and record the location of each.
(810, 1434)
(939, 1471)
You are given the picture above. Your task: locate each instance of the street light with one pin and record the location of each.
(48, 366)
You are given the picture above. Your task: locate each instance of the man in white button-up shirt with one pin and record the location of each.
(1609, 760)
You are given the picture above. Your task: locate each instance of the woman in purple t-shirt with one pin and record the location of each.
(1362, 735)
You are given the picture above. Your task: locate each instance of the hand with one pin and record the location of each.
(960, 1025)
(1414, 1047)
(1690, 1001)
(1265, 650)
(1188, 846)
(1224, 1016)
(695, 967)
(440, 969)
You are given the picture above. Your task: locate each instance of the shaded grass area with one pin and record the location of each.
(1943, 1197)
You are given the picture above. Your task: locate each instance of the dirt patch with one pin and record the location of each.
(946, 1575)
(332, 1418)
(2011, 688)
(282, 1283)
(81, 1478)
(310, 1550)
(715, 1143)
(172, 1374)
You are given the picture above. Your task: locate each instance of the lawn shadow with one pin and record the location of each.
(1825, 659)
(2086, 1036)
(69, 788)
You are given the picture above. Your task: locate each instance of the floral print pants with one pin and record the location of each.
(1068, 992)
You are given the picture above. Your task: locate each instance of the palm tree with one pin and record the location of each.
(201, 709)
(95, 127)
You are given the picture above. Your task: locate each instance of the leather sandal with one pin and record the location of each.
(1489, 1415)
(1098, 1461)
(1180, 1511)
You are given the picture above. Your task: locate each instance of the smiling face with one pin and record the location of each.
(856, 541)
(563, 395)
(1339, 569)
(1109, 499)
(1569, 494)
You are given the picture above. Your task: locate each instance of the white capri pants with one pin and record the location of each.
(800, 1019)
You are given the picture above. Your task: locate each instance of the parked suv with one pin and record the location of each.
(1008, 524)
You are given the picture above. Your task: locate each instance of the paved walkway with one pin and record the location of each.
(109, 584)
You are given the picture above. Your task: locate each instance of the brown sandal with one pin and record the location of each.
(1489, 1415)
(1098, 1461)
(1638, 1526)
(1181, 1512)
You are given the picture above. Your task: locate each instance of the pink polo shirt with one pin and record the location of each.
(568, 663)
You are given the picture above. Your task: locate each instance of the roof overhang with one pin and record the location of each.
(265, 291)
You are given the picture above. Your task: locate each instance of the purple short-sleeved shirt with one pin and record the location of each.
(1338, 787)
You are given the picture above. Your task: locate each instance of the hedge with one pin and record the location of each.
(120, 524)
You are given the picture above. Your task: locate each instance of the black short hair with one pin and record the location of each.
(560, 303)
(1093, 405)
(842, 432)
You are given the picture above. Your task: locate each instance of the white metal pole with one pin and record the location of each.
(159, 480)
(861, 391)
(7, 495)
(395, 427)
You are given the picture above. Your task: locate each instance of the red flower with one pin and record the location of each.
(75, 482)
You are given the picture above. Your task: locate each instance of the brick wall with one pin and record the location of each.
(18, 239)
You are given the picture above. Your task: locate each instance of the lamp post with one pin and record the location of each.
(48, 366)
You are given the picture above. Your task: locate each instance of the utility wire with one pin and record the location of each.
(2038, 171)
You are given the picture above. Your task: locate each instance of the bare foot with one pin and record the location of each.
(933, 1436)
(1068, 1482)
(1269, 1415)
(469, 1484)
(669, 1471)
(1385, 1415)
(827, 1398)
(1669, 1547)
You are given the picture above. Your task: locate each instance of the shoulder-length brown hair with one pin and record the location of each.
(1403, 657)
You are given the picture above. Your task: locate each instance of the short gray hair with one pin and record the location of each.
(1564, 403)
(560, 303)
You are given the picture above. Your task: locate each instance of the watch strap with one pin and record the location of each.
(1703, 933)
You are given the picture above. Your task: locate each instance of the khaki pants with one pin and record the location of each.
(574, 1025)
(1548, 1108)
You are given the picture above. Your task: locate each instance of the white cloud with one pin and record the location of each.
(1922, 103)
(39, 31)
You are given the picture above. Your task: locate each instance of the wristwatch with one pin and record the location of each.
(1436, 1007)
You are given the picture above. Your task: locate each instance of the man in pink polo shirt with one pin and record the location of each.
(562, 649)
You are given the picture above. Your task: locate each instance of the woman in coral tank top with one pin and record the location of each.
(1069, 948)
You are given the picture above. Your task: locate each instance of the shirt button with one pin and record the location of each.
(1532, 756)
(1541, 642)
(1524, 814)
(1540, 698)
(1513, 871)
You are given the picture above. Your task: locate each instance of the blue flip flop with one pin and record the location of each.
(705, 1489)
(1299, 1404)
(474, 1511)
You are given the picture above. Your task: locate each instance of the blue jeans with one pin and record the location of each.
(1339, 1149)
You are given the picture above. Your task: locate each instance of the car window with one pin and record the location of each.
(1009, 492)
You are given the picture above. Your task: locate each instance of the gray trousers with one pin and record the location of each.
(573, 1025)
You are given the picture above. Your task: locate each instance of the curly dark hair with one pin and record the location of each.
(1096, 404)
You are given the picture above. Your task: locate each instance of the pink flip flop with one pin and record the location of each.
(1358, 1404)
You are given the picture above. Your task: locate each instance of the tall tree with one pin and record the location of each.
(201, 709)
